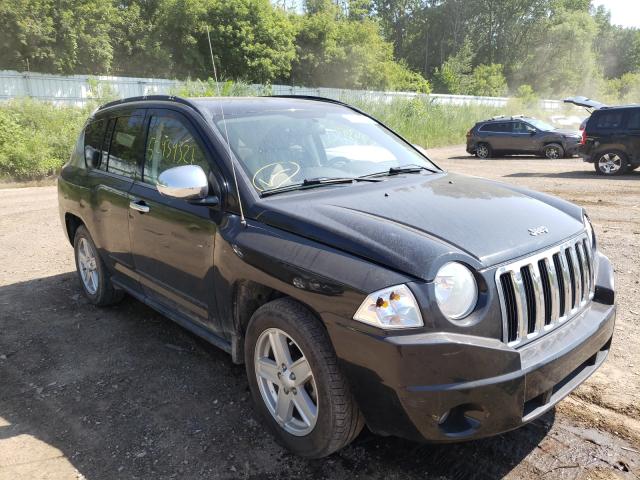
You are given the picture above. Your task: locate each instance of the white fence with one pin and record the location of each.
(78, 89)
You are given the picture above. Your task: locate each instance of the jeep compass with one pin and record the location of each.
(358, 282)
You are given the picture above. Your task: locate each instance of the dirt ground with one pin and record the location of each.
(125, 393)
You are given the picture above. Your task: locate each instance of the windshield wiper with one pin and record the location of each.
(315, 182)
(410, 168)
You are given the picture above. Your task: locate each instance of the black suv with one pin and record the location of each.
(520, 135)
(611, 140)
(357, 281)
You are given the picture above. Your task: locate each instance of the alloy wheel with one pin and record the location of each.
(610, 163)
(552, 153)
(87, 264)
(482, 151)
(286, 382)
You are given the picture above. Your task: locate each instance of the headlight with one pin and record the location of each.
(456, 290)
(590, 232)
(393, 307)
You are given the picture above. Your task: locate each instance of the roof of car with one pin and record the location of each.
(620, 107)
(503, 118)
(235, 105)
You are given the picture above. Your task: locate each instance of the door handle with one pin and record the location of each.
(139, 206)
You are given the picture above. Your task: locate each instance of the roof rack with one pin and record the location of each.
(313, 97)
(165, 98)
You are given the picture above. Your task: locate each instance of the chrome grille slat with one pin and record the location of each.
(566, 282)
(584, 272)
(538, 296)
(555, 292)
(521, 303)
(577, 278)
(542, 291)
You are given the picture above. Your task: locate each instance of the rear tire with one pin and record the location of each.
(483, 150)
(286, 329)
(553, 151)
(611, 163)
(92, 273)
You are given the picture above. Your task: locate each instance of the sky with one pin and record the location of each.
(623, 12)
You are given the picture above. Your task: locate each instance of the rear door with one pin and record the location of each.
(498, 135)
(110, 183)
(633, 127)
(172, 239)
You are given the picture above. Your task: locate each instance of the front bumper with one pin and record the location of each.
(445, 387)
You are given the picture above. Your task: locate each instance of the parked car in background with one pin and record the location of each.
(520, 135)
(357, 281)
(611, 140)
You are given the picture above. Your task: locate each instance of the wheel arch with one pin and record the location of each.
(71, 224)
(248, 296)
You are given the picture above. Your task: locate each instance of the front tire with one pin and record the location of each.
(296, 383)
(94, 278)
(611, 163)
(553, 151)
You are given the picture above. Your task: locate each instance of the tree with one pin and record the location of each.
(334, 51)
(454, 75)
(488, 80)
(251, 39)
(63, 37)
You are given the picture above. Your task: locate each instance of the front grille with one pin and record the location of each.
(543, 291)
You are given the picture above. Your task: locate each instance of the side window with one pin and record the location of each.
(93, 141)
(519, 127)
(503, 128)
(609, 120)
(490, 127)
(634, 120)
(169, 144)
(124, 143)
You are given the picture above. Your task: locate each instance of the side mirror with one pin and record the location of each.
(92, 157)
(187, 182)
(532, 132)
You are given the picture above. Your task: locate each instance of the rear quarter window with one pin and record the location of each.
(93, 141)
(608, 120)
(634, 120)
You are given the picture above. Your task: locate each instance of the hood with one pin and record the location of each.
(415, 223)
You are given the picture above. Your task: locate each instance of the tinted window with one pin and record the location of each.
(609, 120)
(124, 144)
(497, 127)
(634, 120)
(521, 127)
(93, 141)
(169, 144)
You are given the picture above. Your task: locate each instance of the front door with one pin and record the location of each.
(523, 138)
(172, 240)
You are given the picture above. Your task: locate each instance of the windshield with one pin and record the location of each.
(540, 125)
(285, 147)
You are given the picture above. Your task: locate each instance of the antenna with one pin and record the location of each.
(226, 133)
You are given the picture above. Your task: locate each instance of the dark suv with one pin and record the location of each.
(357, 281)
(611, 140)
(520, 135)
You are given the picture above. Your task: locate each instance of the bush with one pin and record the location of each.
(36, 138)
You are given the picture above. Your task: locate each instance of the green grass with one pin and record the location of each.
(36, 138)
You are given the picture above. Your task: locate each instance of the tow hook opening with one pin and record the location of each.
(461, 421)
